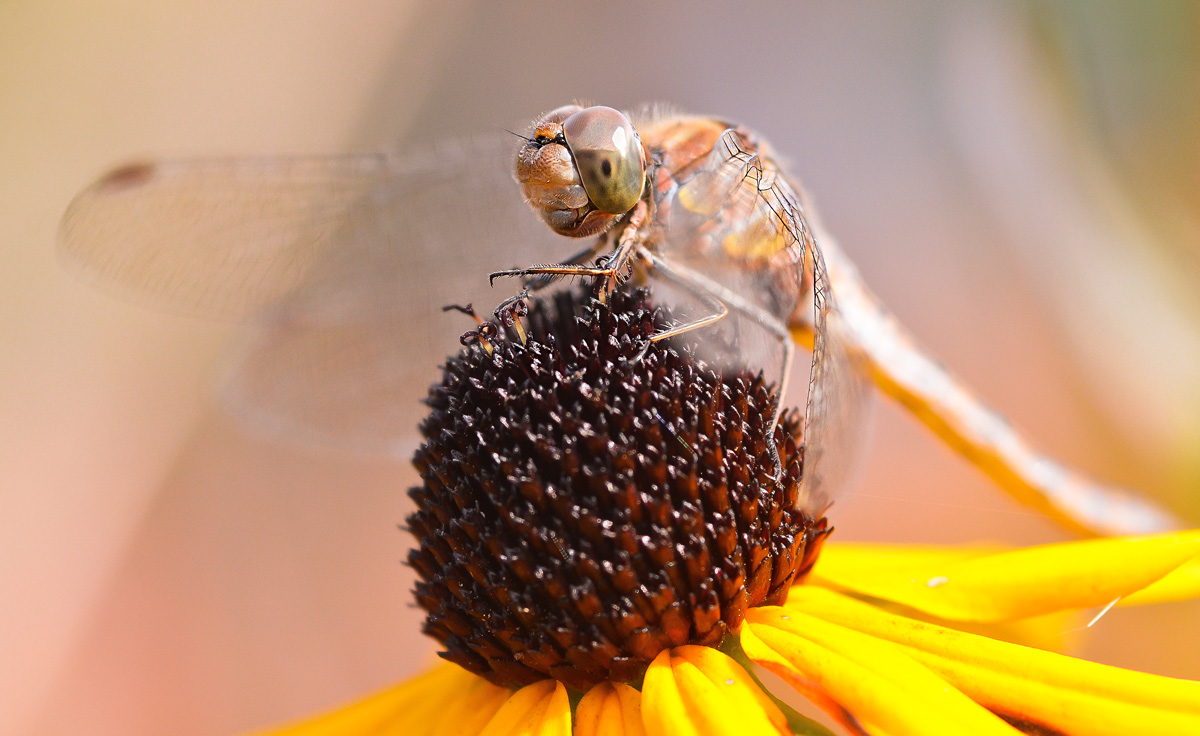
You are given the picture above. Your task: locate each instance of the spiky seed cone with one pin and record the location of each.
(581, 511)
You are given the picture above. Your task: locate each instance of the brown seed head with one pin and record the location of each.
(580, 511)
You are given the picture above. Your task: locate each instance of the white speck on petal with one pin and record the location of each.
(730, 681)
(937, 582)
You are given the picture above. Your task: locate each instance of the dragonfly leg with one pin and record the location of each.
(720, 312)
(609, 274)
(709, 291)
(553, 270)
(536, 282)
(629, 240)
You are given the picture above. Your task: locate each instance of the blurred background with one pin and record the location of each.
(1019, 181)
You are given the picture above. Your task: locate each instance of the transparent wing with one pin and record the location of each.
(839, 393)
(219, 237)
(740, 221)
(353, 258)
(345, 359)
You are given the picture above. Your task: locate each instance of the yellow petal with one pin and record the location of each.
(1071, 695)
(886, 690)
(466, 715)
(848, 561)
(1025, 582)
(446, 700)
(610, 709)
(1180, 584)
(842, 563)
(698, 691)
(540, 709)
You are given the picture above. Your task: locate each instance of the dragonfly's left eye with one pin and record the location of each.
(609, 157)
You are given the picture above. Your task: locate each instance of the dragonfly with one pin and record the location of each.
(338, 265)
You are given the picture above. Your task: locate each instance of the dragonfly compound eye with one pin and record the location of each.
(609, 157)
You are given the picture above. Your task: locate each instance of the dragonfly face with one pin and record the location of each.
(582, 169)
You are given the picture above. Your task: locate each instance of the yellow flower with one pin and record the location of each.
(859, 640)
(606, 544)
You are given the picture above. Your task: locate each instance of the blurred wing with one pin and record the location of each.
(345, 264)
(218, 238)
(836, 417)
(345, 360)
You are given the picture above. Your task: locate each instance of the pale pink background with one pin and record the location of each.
(161, 572)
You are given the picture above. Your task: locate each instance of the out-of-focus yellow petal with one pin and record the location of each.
(610, 709)
(1026, 582)
(842, 563)
(848, 561)
(540, 709)
(467, 714)
(446, 700)
(1180, 584)
(1071, 695)
(697, 691)
(1061, 631)
(886, 690)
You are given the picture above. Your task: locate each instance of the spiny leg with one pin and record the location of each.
(510, 311)
(540, 281)
(706, 289)
(615, 264)
(629, 240)
(556, 269)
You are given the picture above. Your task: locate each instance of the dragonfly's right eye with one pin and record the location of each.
(609, 156)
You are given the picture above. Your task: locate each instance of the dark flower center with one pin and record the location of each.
(582, 510)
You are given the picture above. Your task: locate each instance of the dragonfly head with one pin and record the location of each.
(582, 168)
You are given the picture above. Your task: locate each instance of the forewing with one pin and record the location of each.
(218, 238)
